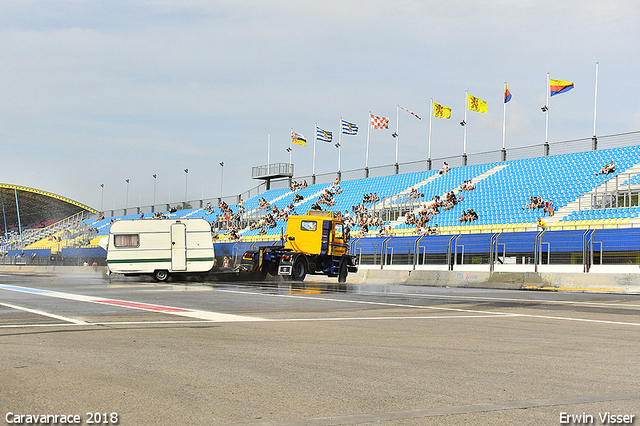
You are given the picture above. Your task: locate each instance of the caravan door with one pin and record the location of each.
(178, 247)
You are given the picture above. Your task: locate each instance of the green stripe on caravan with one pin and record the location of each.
(189, 259)
(168, 259)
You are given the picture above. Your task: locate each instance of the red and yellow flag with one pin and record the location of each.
(476, 104)
(441, 111)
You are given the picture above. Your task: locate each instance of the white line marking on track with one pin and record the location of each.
(368, 302)
(488, 313)
(266, 320)
(190, 313)
(510, 299)
(43, 313)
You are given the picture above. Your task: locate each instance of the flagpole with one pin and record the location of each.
(546, 131)
(315, 136)
(430, 123)
(504, 118)
(466, 108)
(269, 150)
(504, 124)
(397, 136)
(291, 148)
(340, 150)
(595, 107)
(366, 161)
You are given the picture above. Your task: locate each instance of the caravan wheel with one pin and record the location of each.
(160, 275)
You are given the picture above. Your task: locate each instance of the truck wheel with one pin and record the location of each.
(160, 275)
(342, 276)
(299, 270)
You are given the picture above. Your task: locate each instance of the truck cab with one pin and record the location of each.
(317, 232)
(315, 243)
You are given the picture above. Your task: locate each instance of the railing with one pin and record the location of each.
(618, 192)
(579, 250)
(272, 170)
(516, 153)
(69, 226)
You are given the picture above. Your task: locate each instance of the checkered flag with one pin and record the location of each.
(379, 122)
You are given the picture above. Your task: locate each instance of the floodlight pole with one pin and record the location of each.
(18, 212)
(126, 202)
(397, 166)
(101, 197)
(6, 236)
(155, 180)
(221, 177)
(186, 180)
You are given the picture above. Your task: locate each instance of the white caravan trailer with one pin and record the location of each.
(160, 247)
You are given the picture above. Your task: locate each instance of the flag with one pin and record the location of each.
(477, 105)
(323, 135)
(441, 111)
(379, 122)
(559, 86)
(412, 113)
(298, 139)
(348, 128)
(507, 94)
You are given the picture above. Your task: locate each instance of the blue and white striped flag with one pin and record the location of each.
(349, 128)
(323, 135)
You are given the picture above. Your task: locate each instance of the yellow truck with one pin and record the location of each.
(315, 243)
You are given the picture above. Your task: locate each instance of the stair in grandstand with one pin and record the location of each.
(381, 204)
(474, 180)
(256, 210)
(257, 213)
(584, 202)
(38, 238)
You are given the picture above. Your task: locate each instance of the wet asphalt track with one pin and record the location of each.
(203, 353)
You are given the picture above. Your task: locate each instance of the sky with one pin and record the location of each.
(97, 92)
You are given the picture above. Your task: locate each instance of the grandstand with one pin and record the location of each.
(595, 215)
(30, 217)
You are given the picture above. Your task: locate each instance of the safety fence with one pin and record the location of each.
(579, 249)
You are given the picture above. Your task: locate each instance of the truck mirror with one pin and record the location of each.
(292, 238)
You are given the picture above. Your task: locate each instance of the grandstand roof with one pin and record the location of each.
(36, 206)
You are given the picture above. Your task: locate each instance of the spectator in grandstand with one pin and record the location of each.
(541, 223)
(414, 194)
(548, 208)
(445, 168)
(608, 168)
(467, 185)
(468, 216)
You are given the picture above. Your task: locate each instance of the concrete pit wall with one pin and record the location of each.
(621, 283)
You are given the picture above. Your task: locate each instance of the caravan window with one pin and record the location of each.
(127, 240)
